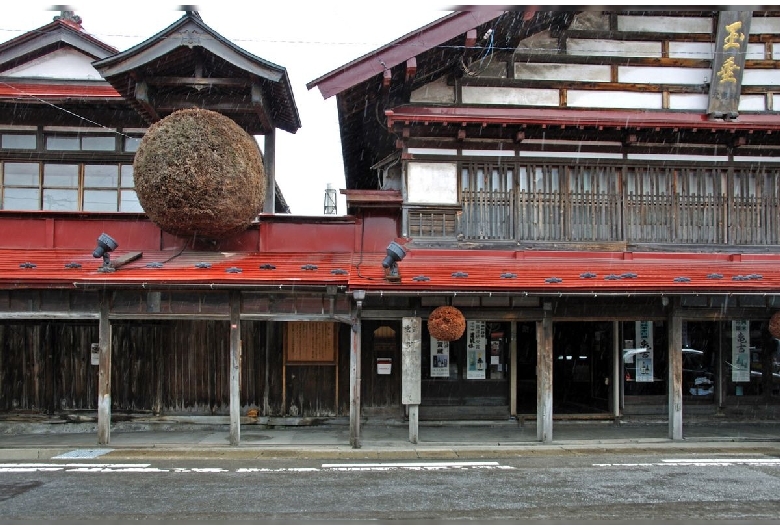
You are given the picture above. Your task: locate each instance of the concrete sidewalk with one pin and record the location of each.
(380, 440)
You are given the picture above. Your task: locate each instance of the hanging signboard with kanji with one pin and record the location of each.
(728, 65)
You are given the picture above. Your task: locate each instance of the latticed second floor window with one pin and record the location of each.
(67, 187)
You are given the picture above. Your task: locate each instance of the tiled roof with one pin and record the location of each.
(57, 90)
(532, 272)
(571, 272)
(71, 268)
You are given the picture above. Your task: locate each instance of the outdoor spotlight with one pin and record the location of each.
(106, 244)
(395, 253)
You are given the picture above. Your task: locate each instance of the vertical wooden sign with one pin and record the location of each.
(728, 64)
(411, 365)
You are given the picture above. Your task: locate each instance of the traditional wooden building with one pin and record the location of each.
(597, 191)
(590, 189)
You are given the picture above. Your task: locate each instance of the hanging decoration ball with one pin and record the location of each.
(198, 173)
(446, 323)
(774, 325)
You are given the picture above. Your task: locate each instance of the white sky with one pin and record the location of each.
(309, 39)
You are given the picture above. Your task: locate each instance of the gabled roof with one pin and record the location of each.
(188, 63)
(385, 77)
(62, 32)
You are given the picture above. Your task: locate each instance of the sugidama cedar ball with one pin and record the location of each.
(198, 173)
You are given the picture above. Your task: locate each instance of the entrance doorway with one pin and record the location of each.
(582, 366)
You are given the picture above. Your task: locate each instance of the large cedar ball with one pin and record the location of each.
(197, 173)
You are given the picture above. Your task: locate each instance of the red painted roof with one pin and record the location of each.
(575, 117)
(553, 272)
(51, 90)
(431, 270)
(49, 268)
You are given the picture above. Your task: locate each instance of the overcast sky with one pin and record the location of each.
(309, 39)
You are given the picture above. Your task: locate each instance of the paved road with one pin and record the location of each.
(645, 488)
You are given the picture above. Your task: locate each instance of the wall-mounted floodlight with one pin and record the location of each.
(395, 253)
(106, 244)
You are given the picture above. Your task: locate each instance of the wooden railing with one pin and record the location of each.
(609, 217)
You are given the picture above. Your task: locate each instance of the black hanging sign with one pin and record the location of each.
(728, 65)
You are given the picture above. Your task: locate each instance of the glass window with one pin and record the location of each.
(61, 175)
(60, 199)
(98, 143)
(100, 200)
(131, 144)
(21, 199)
(17, 141)
(126, 172)
(102, 176)
(20, 174)
(129, 202)
(62, 143)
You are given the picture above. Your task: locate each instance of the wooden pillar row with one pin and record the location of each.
(355, 379)
(675, 375)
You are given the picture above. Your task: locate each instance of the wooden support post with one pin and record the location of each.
(104, 372)
(544, 382)
(513, 369)
(269, 158)
(269, 330)
(354, 381)
(235, 367)
(675, 375)
(617, 380)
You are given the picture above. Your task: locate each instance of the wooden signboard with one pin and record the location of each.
(728, 65)
(310, 342)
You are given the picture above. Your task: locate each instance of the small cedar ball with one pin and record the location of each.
(198, 173)
(446, 323)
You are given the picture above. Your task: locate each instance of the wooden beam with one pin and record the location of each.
(674, 347)
(261, 108)
(544, 382)
(411, 69)
(355, 378)
(198, 81)
(235, 367)
(104, 371)
(471, 38)
(144, 99)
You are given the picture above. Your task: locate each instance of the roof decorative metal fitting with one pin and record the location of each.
(202, 265)
(338, 272)
(682, 279)
(233, 270)
(611, 277)
(421, 279)
(508, 275)
(628, 275)
(714, 276)
(460, 274)
(73, 265)
(739, 278)
(154, 265)
(553, 280)
(27, 265)
(588, 275)
(309, 267)
(267, 266)
(754, 276)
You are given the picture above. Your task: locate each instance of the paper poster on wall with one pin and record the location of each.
(475, 350)
(740, 351)
(440, 358)
(644, 359)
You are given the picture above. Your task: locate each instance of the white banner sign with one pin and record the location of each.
(475, 350)
(644, 360)
(740, 351)
(440, 358)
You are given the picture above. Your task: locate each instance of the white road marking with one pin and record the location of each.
(146, 468)
(701, 462)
